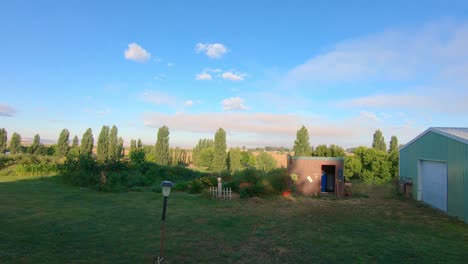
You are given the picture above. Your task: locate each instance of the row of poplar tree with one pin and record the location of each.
(109, 145)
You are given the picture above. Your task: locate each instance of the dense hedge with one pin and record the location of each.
(85, 171)
(28, 165)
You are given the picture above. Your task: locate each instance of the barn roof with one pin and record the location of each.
(456, 133)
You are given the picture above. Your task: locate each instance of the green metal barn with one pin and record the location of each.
(435, 164)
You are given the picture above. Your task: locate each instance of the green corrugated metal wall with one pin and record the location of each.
(433, 146)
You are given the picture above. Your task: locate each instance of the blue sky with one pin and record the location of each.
(259, 69)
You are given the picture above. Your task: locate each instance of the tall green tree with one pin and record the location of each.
(162, 146)
(35, 145)
(133, 145)
(301, 144)
(103, 145)
(235, 159)
(393, 144)
(265, 162)
(87, 142)
(120, 148)
(205, 160)
(139, 143)
(15, 143)
(113, 151)
(220, 147)
(62, 143)
(394, 156)
(75, 141)
(379, 142)
(3, 140)
(176, 156)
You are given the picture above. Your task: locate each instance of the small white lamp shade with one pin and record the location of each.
(166, 188)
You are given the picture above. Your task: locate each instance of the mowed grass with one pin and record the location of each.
(43, 221)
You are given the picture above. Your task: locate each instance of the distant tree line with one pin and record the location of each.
(302, 147)
(213, 155)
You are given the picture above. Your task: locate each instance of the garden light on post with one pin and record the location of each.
(166, 190)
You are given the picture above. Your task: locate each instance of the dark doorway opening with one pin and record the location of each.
(329, 171)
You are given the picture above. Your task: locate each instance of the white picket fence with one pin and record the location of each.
(225, 194)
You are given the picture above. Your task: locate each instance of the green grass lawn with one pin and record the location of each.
(43, 221)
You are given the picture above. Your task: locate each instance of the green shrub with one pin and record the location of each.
(277, 180)
(139, 189)
(181, 186)
(199, 184)
(36, 169)
(81, 170)
(116, 182)
(252, 182)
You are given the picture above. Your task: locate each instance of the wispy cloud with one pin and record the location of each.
(135, 52)
(212, 50)
(437, 50)
(233, 103)
(6, 110)
(369, 115)
(204, 76)
(422, 99)
(160, 77)
(188, 103)
(280, 129)
(158, 98)
(105, 111)
(233, 76)
(385, 100)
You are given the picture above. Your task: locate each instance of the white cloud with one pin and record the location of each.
(233, 103)
(170, 64)
(233, 76)
(158, 98)
(212, 50)
(203, 76)
(6, 110)
(135, 52)
(188, 103)
(369, 115)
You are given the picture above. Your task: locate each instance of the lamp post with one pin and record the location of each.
(166, 190)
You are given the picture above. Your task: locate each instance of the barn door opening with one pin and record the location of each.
(328, 178)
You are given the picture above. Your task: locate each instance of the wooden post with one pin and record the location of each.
(220, 188)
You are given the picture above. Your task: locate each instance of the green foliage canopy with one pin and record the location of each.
(162, 146)
(235, 159)
(379, 142)
(87, 142)
(103, 145)
(301, 144)
(62, 143)
(3, 140)
(220, 147)
(15, 143)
